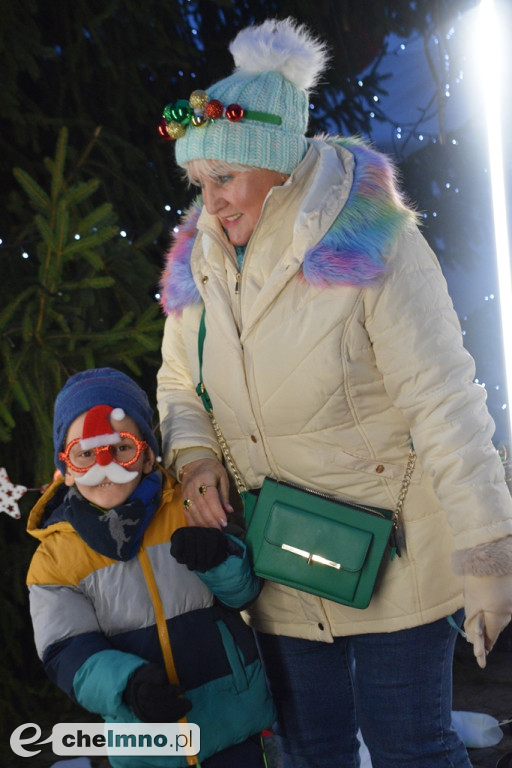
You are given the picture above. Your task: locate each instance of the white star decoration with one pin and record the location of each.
(9, 494)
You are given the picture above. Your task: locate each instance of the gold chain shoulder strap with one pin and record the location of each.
(406, 481)
(240, 484)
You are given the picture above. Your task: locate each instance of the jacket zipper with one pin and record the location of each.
(220, 243)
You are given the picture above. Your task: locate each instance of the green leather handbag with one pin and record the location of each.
(310, 541)
(317, 544)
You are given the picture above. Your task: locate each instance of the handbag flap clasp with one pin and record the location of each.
(329, 544)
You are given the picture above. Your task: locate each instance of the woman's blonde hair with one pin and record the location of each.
(211, 169)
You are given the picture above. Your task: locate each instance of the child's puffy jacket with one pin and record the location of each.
(97, 619)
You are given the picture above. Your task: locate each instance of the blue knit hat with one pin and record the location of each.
(100, 386)
(258, 116)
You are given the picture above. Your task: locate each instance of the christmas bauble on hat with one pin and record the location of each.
(98, 429)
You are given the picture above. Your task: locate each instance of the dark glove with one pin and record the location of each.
(152, 697)
(199, 548)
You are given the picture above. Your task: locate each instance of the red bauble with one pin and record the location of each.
(234, 112)
(162, 129)
(213, 109)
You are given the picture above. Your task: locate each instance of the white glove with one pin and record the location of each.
(488, 606)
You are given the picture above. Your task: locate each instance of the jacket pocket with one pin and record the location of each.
(349, 463)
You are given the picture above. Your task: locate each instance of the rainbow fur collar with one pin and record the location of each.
(351, 253)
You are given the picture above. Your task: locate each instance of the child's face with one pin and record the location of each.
(106, 493)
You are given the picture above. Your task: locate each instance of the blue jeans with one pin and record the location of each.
(396, 687)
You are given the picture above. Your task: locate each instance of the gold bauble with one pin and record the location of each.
(199, 121)
(198, 99)
(175, 130)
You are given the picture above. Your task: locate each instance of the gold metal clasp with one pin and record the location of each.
(310, 557)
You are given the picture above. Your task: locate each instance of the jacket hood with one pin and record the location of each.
(46, 505)
(353, 250)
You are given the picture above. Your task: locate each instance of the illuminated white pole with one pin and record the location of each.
(490, 62)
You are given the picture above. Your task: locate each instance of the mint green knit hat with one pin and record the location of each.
(258, 116)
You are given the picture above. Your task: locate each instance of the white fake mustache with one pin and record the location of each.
(114, 472)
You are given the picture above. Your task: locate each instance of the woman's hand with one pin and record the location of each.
(205, 489)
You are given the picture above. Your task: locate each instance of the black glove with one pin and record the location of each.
(152, 697)
(199, 548)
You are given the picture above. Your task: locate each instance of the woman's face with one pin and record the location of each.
(236, 198)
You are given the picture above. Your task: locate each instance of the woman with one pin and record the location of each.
(331, 345)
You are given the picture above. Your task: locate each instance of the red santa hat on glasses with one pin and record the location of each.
(98, 429)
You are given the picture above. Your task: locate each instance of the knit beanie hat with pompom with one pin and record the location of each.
(257, 116)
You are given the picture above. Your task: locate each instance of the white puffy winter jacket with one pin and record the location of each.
(336, 346)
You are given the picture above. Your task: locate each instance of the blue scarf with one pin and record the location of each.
(240, 253)
(117, 532)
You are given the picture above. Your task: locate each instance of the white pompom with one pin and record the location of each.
(117, 414)
(280, 46)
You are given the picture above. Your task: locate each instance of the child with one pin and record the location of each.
(122, 627)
